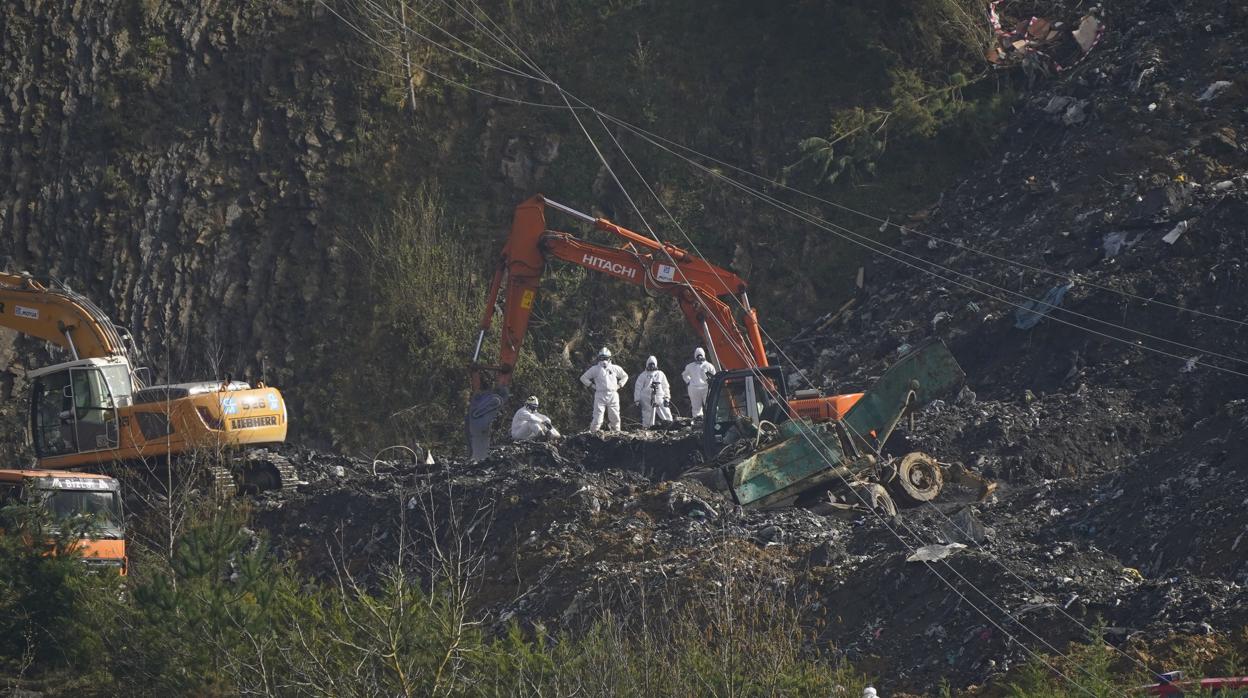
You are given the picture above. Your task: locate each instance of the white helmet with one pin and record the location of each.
(699, 354)
(652, 363)
(532, 402)
(604, 353)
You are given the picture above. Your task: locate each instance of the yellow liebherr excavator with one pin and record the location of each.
(96, 410)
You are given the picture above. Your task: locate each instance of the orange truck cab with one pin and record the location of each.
(66, 495)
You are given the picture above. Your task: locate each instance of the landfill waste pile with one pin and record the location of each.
(1090, 278)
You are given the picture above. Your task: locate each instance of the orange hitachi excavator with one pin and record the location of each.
(706, 295)
(95, 409)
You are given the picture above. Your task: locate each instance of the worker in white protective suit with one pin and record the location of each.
(528, 423)
(652, 394)
(606, 379)
(697, 376)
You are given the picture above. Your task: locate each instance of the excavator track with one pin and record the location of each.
(219, 481)
(286, 470)
(264, 470)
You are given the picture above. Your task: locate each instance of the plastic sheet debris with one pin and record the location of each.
(934, 552)
(1176, 232)
(1032, 312)
(963, 527)
(1213, 91)
(1113, 244)
(1069, 110)
(1088, 33)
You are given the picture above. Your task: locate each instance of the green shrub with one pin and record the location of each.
(46, 594)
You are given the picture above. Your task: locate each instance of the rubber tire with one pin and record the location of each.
(919, 479)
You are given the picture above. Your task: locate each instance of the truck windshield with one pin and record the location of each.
(100, 510)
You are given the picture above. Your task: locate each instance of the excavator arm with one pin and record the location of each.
(665, 269)
(59, 316)
(698, 286)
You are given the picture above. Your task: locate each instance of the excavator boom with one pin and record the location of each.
(700, 288)
(697, 285)
(59, 316)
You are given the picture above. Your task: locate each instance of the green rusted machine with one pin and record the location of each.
(765, 455)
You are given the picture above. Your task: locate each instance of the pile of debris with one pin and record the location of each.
(560, 534)
(1041, 46)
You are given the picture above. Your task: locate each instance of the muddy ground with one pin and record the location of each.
(1120, 455)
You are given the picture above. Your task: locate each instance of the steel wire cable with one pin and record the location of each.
(915, 231)
(807, 432)
(451, 81)
(884, 250)
(802, 374)
(820, 449)
(646, 135)
(871, 241)
(573, 110)
(876, 449)
(371, 7)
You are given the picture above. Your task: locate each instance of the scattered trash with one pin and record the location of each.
(962, 527)
(1040, 43)
(1190, 364)
(1113, 244)
(1032, 312)
(1071, 110)
(934, 552)
(1213, 91)
(1088, 33)
(1176, 232)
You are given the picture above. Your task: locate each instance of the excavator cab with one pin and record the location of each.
(737, 402)
(74, 406)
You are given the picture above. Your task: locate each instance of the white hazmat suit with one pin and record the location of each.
(652, 393)
(606, 379)
(697, 376)
(528, 424)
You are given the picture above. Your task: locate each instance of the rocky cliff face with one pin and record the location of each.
(175, 163)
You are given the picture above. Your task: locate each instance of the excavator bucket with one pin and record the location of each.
(483, 409)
